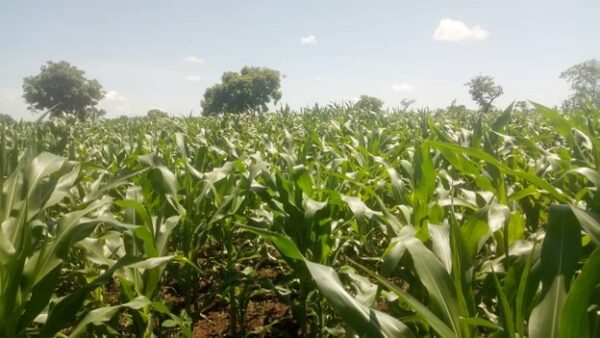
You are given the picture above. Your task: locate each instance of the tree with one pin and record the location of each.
(584, 79)
(405, 103)
(63, 90)
(521, 106)
(484, 91)
(250, 90)
(369, 103)
(6, 119)
(95, 113)
(456, 108)
(156, 113)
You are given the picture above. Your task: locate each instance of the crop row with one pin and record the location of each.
(330, 222)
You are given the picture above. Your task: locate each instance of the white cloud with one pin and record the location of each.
(400, 87)
(193, 78)
(319, 77)
(115, 102)
(113, 95)
(193, 59)
(309, 40)
(454, 30)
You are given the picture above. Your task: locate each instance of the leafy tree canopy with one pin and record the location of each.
(455, 107)
(157, 113)
(405, 104)
(521, 106)
(369, 103)
(63, 90)
(250, 90)
(484, 91)
(5, 118)
(584, 79)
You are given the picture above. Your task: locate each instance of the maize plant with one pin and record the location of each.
(333, 221)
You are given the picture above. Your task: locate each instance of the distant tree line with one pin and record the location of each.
(62, 89)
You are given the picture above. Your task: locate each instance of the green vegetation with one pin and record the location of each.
(250, 90)
(484, 91)
(156, 114)
(330, 222)
(62, 89)
(584, 80)
(6, 119)
(369, 103)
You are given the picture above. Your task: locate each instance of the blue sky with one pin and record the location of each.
(165, 54)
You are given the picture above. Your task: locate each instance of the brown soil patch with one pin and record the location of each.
(263, 319)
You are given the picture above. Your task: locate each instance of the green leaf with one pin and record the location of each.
(151, 263)
(168, 179)
(503, 119)
(480, 322)
(545, 317)
(66, 309)
(424, 186)
(507, 314)
(440, 239)
(574, 315)
(40, 297)
(521, 294)
(589, 173)
(588, 222)
(361, 211)
(303, 179)
(561, 247)
(364, 321)
(392, 256)
(437, 281)
(529, 177)
(282, 243)
(559, 259)
(104, 314)
(423, 311)
(311, 208)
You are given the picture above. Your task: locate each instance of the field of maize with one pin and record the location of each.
(330, 222)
